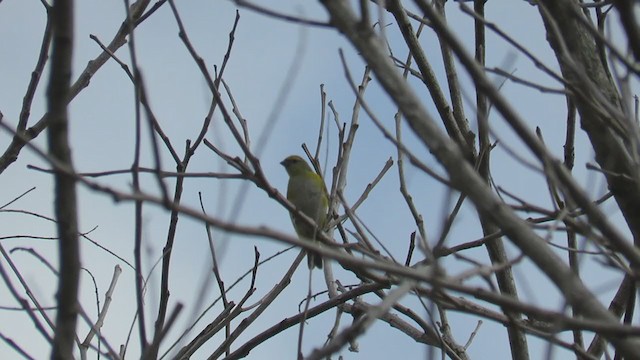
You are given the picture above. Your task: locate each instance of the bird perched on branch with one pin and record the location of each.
(307, 192)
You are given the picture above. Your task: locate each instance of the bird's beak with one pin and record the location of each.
(282, 162)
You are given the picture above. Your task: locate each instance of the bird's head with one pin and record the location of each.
(295, 165)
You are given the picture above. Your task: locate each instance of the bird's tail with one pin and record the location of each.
(314, 259)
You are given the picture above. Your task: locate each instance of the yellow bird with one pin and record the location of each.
(307, 192)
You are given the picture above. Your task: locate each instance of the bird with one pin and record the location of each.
(308, 194)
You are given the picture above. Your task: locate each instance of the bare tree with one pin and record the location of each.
(413, 281)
